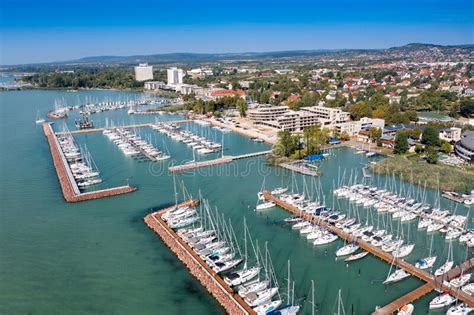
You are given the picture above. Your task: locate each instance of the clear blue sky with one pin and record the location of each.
(52, 30)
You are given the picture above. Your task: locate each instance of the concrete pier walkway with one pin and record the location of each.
(214, 284)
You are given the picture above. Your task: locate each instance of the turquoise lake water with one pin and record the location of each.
(98, 257)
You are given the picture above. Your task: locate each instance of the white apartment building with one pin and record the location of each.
(192, 89)
(292, 121)
(154, 85)
(281, 117)
(266, 113)
(328, 117)
(452, 134)
(354, 127)
(175, 76)
(143, 72)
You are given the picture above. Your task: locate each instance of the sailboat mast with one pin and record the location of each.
(289, 281)
(245, 243)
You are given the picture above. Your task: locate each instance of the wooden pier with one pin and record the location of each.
(96, 130)
(215, 285)
(69, 188)
(218, 161)
(431, 281)
(437, 283)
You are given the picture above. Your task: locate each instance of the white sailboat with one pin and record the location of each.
(448, 265)
(397, 275)
(356, 256)
(347, 250)
(246, 274)
(441, 301)
(460, 281)
(39, 119)
(460, 309)
(428, 262)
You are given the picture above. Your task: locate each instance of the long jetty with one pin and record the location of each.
(215, 285)
(218, 161)
(439, 283)
(69, 188)
(96, 130)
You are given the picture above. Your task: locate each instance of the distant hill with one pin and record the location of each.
(421, 46)
(195, 57)
(248, 56)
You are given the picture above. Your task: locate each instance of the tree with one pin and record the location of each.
(307, 99)
(286, 144)
(445, 147)
(412, 115)
(430, 136)
(418, 148)
(378, 100)
(344, 136)
(431, 155)
(198, 106)
(375, 134)
(466, 107)
(314, 138)
(401, 143)
(242, 107)
(265, 97)
(360, 110)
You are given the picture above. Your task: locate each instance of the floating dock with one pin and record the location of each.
(215, 285)
(70, 190)
(218, 161)
(305, 171)
(453, 197)
(434, 282)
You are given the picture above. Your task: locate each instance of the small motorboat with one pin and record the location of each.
(406, 310)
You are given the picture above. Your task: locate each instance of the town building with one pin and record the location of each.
(293, 121)
(328, 117)
(218, 93)
(154, 85)
(452, 134)
(175, 76)
(192, 89)
(266, 113)
(143, 72)
(464, 148)
(352, 128)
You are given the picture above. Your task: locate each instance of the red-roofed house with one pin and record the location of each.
(424, 71)
(223, 93)
(293, 98)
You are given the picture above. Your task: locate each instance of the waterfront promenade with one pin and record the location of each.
(69, 188)
(214, 284)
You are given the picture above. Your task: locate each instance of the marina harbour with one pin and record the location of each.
(98, 256)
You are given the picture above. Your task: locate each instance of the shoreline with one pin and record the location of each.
(417, 173)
